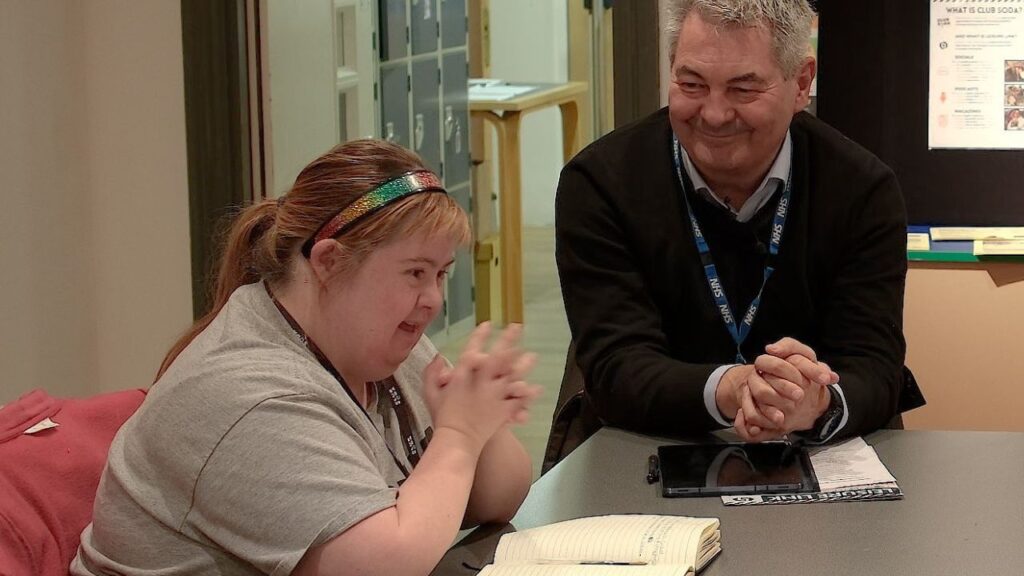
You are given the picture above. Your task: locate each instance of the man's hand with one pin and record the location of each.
(735, 402)
(785, 390)
(790, 385)
(804, 359)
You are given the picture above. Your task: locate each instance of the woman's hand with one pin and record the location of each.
(485, 390)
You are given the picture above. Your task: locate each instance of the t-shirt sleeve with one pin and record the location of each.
(289, 475)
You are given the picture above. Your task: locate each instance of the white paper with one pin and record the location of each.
(40, 426)
(976, 233)
(918, 241)
(997, 247)
(849, 464)
(976, 59)
(477, 82)
(628, 539)
(581, 570)
(498, 92)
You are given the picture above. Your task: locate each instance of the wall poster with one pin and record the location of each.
(976, 75)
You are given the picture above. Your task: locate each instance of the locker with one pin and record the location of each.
(423, 26)
(453, 23)
(426, 133)
(394, 103)
(394, 42)
(455, 118)
(460, 282)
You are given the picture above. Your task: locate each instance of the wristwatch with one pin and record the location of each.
(829, 420)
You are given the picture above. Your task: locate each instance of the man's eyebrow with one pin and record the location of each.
(748, 77)
(684, 69)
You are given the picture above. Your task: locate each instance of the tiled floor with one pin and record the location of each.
(545, 332)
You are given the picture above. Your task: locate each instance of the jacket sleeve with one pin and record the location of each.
(631, 379)
(861, 320)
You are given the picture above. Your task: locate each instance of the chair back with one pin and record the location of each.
(48, 479)
(574, 419)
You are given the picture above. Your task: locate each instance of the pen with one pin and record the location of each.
(653, 469)
(592, 562)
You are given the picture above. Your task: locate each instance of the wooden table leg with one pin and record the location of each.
(511, 228)
(510, 225)
(570, 129)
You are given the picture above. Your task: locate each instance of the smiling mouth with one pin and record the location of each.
(712, 136)
(407, 327)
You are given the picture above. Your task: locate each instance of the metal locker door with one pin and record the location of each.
(394, 43)
(455, 118)
(426, 122)
(394, 103)
(453, 23)
(423, 26)
(460, 281)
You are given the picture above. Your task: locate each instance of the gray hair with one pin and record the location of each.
(789, 22)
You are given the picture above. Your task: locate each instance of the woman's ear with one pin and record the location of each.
(325, 258)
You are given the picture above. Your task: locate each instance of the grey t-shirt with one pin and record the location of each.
(245, 454)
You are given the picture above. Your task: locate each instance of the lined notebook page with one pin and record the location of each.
(643, 539)
(580, 570)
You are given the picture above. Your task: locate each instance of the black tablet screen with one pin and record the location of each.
(712, 469)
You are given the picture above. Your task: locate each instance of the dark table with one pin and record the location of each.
(962, 512)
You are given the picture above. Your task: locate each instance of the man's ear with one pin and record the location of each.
(804, 78)
(325, 258)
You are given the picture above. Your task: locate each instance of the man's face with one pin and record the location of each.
(729, 101)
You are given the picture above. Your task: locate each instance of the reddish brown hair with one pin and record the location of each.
(264, 238)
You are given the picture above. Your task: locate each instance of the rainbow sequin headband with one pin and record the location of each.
(408, 184)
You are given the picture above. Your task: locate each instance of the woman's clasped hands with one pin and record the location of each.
(485, 390)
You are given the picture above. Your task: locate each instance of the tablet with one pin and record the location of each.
(732, 469)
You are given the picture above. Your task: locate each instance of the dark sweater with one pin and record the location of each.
(647, 331)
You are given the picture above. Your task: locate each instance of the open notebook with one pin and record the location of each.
(632, 545)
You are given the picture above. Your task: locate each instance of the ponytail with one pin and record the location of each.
(248, 256)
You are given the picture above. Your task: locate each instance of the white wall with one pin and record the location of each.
(303, 101)
(529, 43)
(94, 234)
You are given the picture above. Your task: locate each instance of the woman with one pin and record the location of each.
(288, 430)
(1014, 119)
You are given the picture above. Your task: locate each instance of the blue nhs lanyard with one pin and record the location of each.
(739, 332)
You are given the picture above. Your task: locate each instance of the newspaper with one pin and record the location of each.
(846, 472)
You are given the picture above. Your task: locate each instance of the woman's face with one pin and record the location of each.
(376, 313)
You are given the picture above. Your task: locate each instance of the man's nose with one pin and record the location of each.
(717, 111)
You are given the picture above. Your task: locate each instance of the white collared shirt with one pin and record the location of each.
(777, 177)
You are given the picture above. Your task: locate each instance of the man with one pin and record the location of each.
(731, 260)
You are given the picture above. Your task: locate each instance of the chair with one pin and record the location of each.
(48, 479)
(575, 420)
